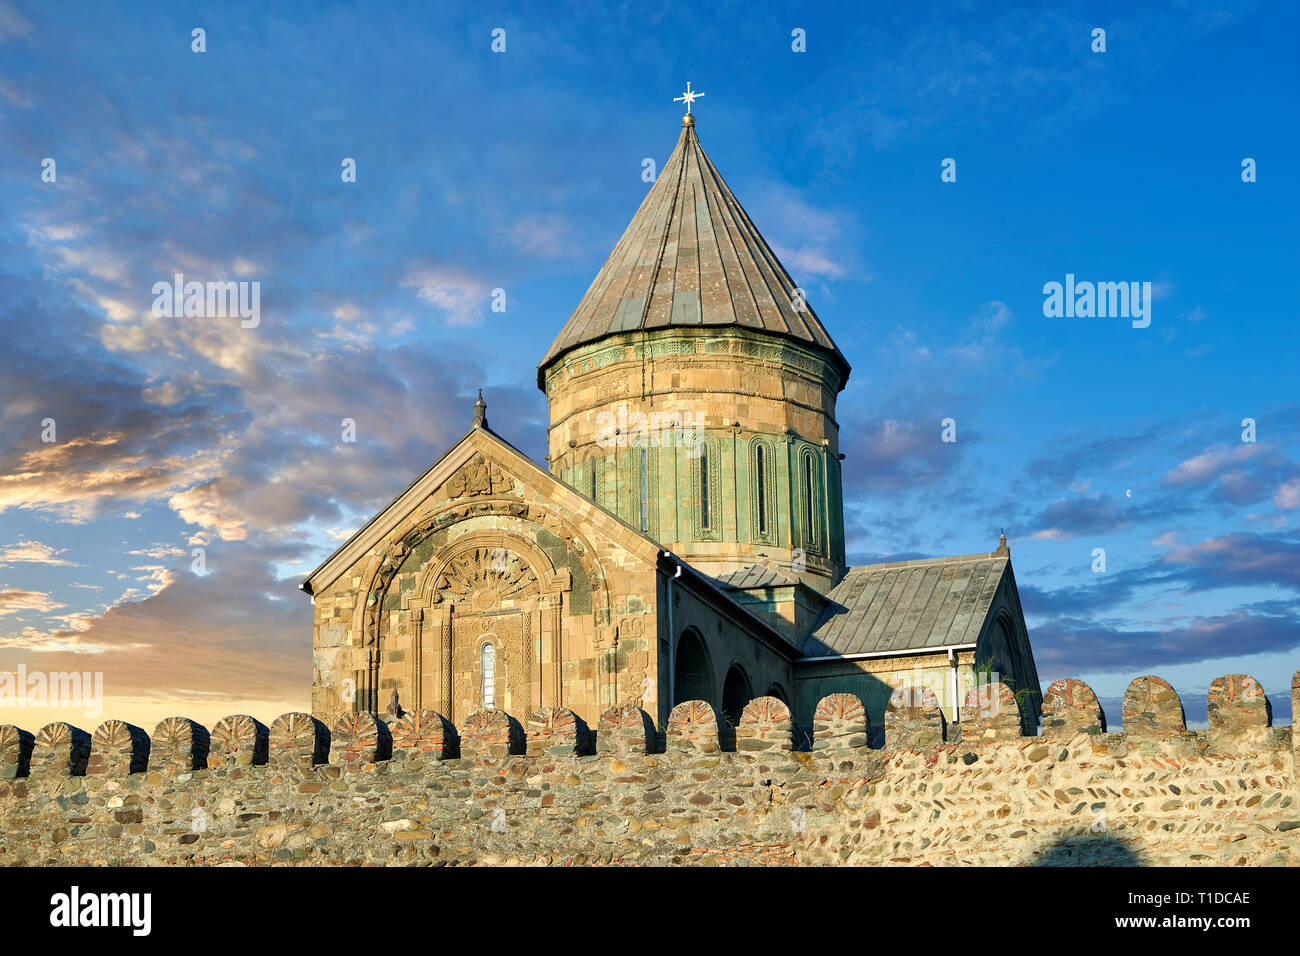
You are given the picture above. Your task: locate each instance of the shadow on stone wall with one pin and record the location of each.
(1085, 850)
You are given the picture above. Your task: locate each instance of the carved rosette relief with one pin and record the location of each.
(400, 547)
(485, 578)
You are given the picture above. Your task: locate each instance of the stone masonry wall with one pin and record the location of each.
(553, 791)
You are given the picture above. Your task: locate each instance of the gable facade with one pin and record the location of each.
(486, 583)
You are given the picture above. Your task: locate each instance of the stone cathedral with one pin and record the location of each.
(684, 541)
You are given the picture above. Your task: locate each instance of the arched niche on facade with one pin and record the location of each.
(489, 596)
(535, 588)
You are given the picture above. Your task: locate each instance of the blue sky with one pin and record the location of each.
(518, 170)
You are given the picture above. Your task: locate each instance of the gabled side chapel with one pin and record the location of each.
(705, 562)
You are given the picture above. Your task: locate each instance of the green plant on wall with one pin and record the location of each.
(982, 672)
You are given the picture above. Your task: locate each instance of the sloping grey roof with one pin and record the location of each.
(756, 576)
(690, 257)
(908, 605)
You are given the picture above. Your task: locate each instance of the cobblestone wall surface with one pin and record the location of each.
(416, 792)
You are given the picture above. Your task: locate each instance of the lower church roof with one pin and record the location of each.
(908, 605)
(756, 576)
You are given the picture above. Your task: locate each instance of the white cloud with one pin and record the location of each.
(548, 235)
(995, 315)
(202, 505)
(459, 295)
(1209, 463)
(34, 552)
(16, 96)
(1288, 495)
(17, 600)
(809, 261)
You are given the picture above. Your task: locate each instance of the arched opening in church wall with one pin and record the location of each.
(999, 656)
(736, 693)
(729, 640)
(692, 673)
(777, 691)
(499, 582)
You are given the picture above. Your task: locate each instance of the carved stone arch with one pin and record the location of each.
(545, 615)
(504, 564)
(486, 586)
(554, 521)
(383, 566)
(557, 523)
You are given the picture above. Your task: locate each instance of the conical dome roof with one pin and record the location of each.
(690, 256)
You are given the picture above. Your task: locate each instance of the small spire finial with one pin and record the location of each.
(480, 411)
(688, 98)
(1002, 543)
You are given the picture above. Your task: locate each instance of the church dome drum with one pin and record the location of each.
(692, 391)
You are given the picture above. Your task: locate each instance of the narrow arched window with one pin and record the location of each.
(704, 488)
(488, 668)
(809, 493)
(645, 507)
(593, 478)
(760, 459)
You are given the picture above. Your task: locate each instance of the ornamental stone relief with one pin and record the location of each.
(485, 578)
(400, 547)
(478, 476)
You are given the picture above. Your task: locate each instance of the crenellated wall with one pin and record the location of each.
(552, 790)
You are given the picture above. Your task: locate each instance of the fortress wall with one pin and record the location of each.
(553, 791)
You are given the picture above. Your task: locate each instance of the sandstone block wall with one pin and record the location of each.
(498, 790)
